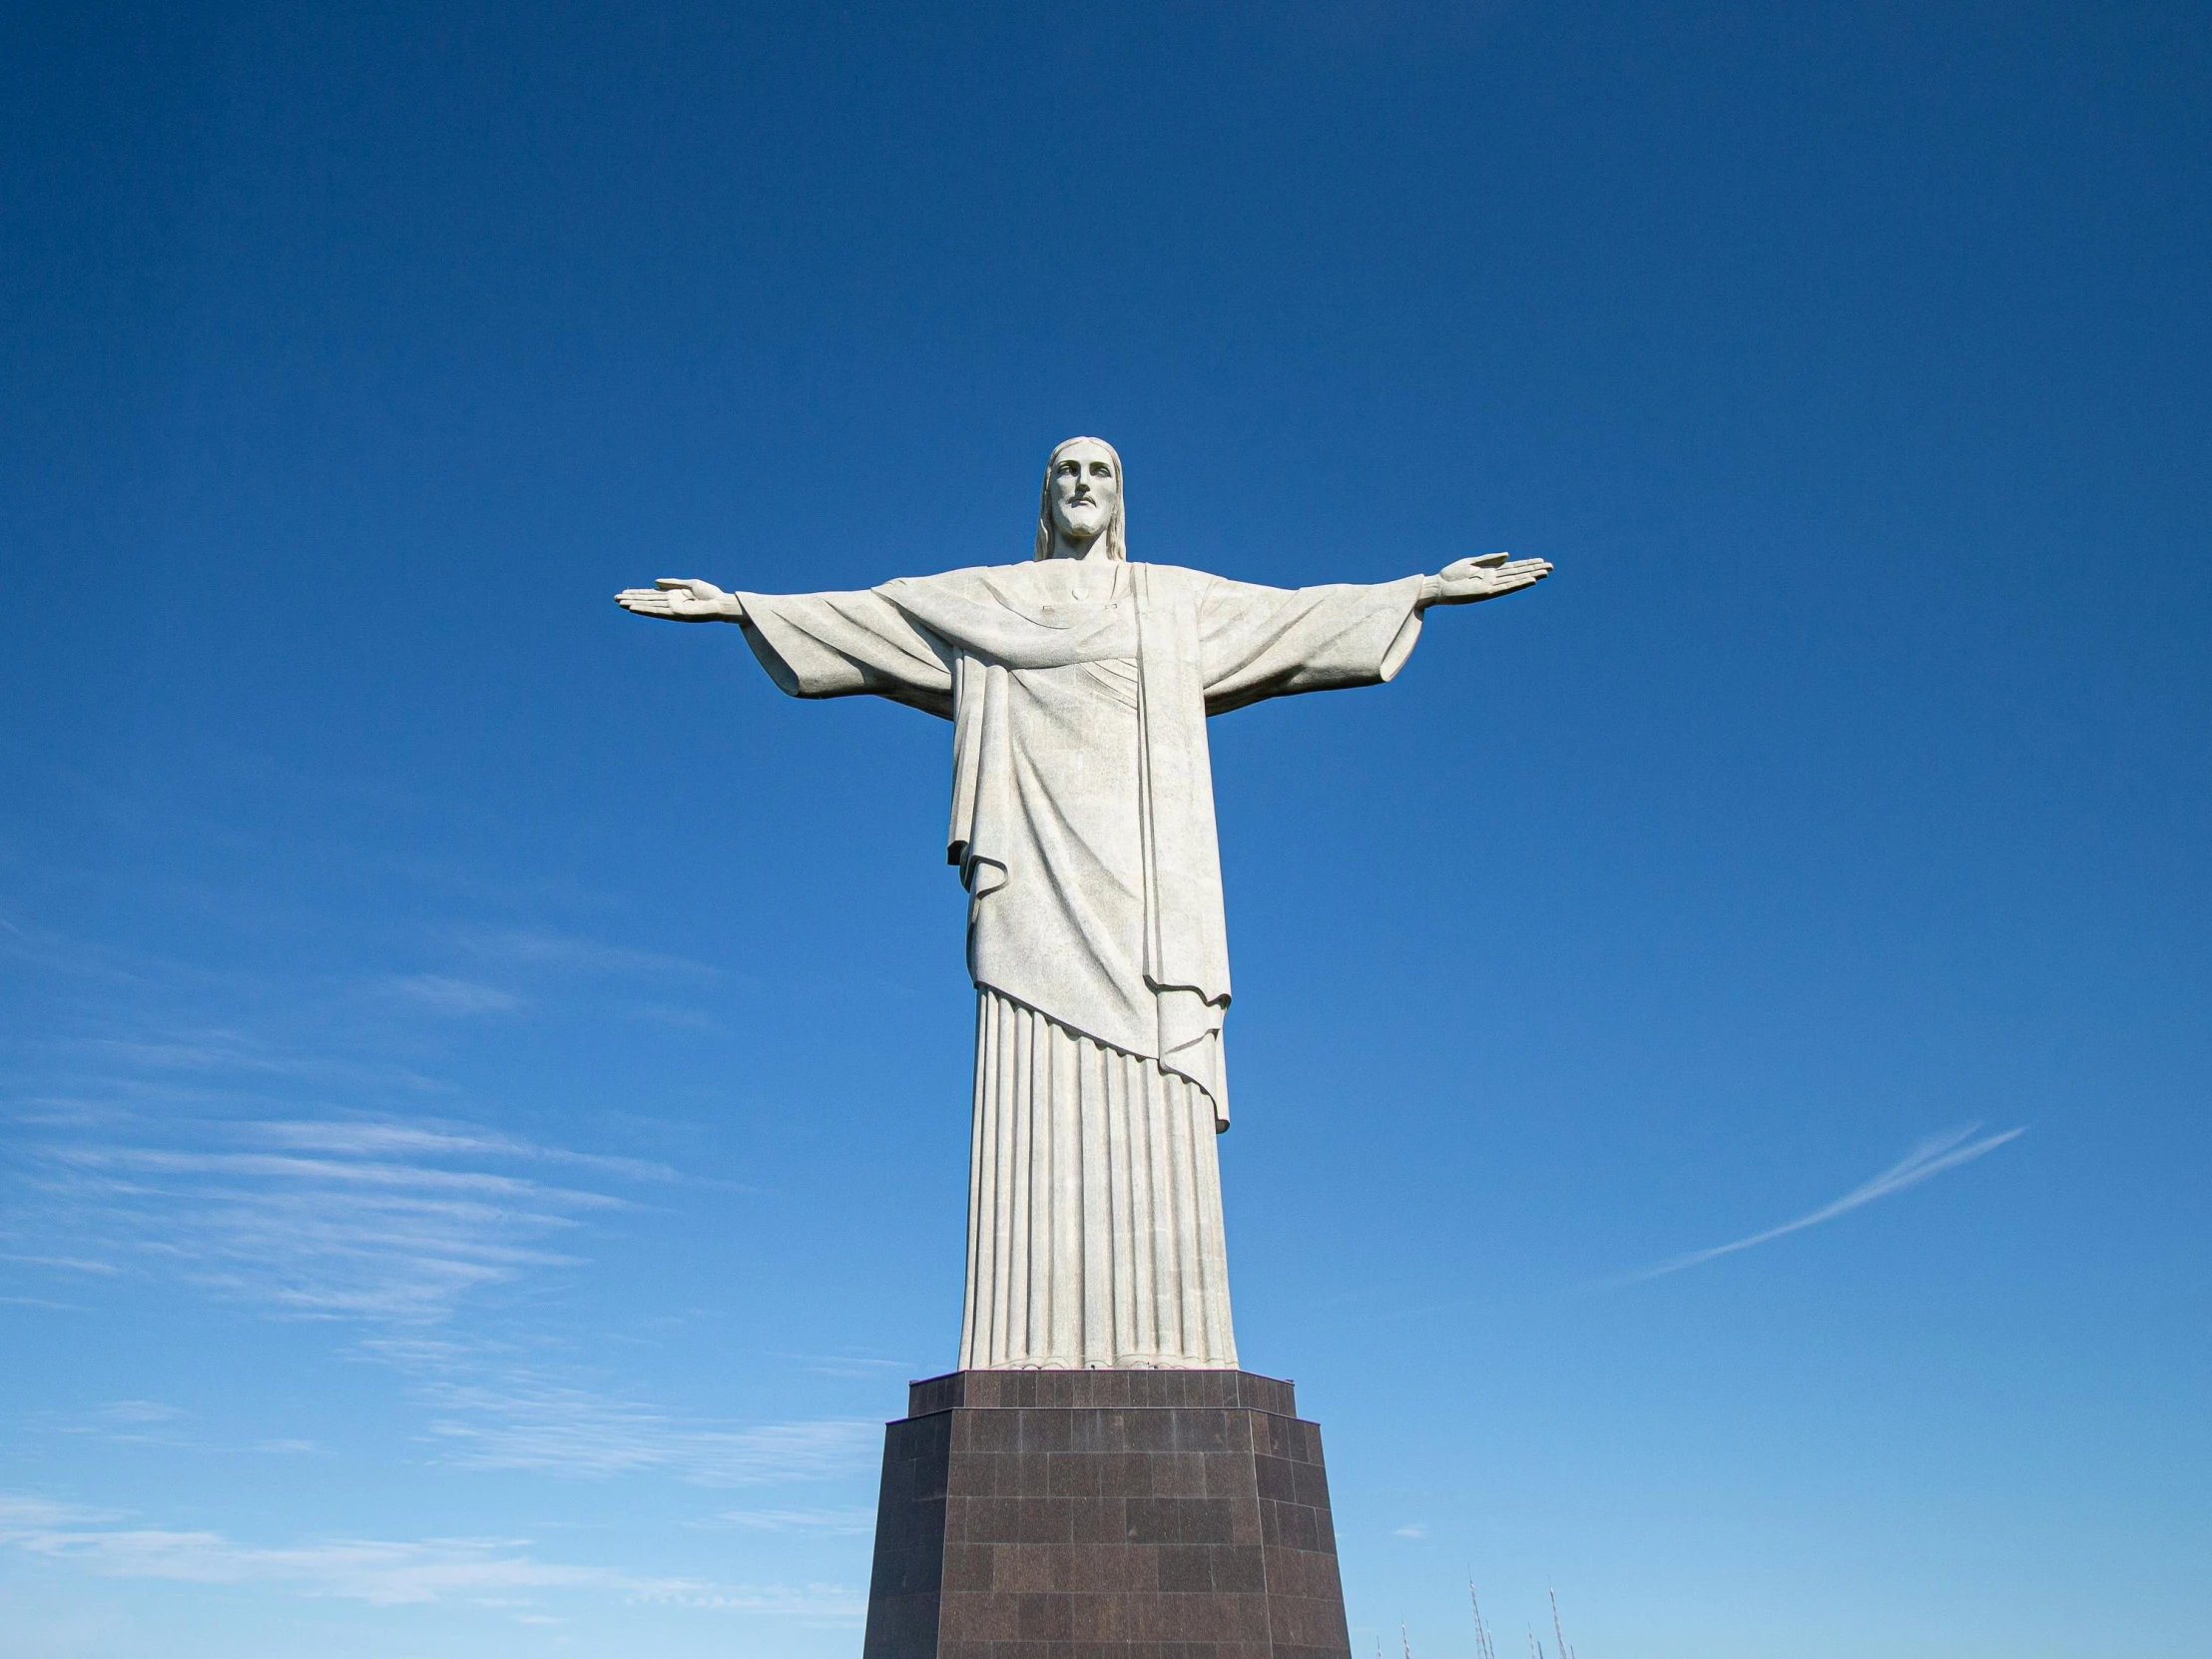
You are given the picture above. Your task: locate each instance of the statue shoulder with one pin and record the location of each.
(1200, 589)
(1177, 577)
(969, 573)
(972, 580)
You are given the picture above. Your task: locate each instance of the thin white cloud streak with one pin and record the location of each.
(841, 1521)
(136, 1410)
(366, 1136)
(541, 948)
(848, 1365)
(275, 1167)
(41, 948)
(151, 1151)
(75, 1264)
(455, 999)
(494, 1572)
(205, 1052)
(528, 1421)
(314, 1249)
(1931, 1158)
(151, 1422)
(490, 1413)
(385, 1220)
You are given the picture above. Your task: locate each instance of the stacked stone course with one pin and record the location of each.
(1102, 1514)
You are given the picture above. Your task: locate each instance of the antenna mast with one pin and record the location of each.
(1482, 1646)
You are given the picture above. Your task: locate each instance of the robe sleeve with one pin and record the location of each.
(848, 645)
(1260, 642)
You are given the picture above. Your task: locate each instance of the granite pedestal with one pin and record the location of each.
(1104, 1515)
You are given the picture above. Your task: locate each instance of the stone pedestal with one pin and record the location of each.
(1104, 1515)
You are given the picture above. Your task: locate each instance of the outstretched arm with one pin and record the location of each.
(1466, 581)
(1258, 642)
(816, 644)
(682, 598)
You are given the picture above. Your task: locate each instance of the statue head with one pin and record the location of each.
(1082, 502)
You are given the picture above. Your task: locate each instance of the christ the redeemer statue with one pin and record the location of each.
(1078, 685)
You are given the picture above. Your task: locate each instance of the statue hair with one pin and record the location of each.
(1117, 527)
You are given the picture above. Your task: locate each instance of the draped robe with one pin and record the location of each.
(1083, 830)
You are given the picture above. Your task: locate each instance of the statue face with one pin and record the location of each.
(1086, 487)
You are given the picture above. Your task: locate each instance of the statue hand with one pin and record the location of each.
(1485, 576)
(682, 598)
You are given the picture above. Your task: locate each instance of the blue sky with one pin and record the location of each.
(485, 1077)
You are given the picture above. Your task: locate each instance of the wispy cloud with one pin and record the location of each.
(135, 1410)
(149, 1422)
(491, 1410)
(57, 953)
(74, 1264)
(361, 1137)
(1413, 1529)
(205, 1150)
(497, 1572)
(381, 1219)
(849, 1364)
(147, 1147)
(848, 1520)
(542, 947)
(437, 994)
(633, 984)
(525, 1421)
(109, 1067)
(1931, 1158)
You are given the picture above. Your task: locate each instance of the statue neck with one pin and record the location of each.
(1095, 549)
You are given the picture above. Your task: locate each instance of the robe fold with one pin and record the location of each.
(1082, 822)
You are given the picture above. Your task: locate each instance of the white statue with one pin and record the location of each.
(1078, 686)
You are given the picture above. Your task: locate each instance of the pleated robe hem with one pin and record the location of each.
(1095, 1234)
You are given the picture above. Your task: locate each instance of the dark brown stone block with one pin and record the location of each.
(1102, 1523)
(1104, 1516)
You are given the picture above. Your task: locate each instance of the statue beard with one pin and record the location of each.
(1085, 525)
